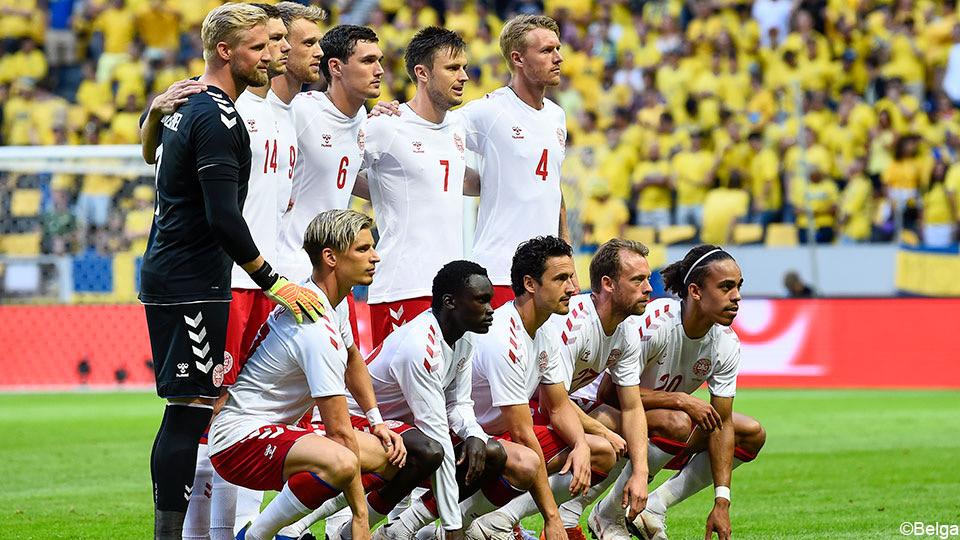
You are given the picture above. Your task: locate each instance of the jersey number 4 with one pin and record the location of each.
(542, 166)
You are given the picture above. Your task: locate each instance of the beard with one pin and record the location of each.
(445, 101)
(253, 77)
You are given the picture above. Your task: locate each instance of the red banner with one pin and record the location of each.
(868, 343)
(871, 343)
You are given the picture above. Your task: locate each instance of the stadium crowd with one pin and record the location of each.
(705, 112)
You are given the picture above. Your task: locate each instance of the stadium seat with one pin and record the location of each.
(676, 234)
(909, 238)
(645, 235)
(781, 235)
(25, 244)
(25, 203)
(747, 233)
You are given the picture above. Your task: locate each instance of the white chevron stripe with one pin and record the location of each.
(225, 108)
(199, 336)
(195, 321)
(229, 122)
(277, 434)
(205, 367)
(202, 353)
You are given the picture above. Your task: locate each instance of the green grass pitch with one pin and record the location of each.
(838, 464)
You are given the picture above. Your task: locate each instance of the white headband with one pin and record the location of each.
(698, 261)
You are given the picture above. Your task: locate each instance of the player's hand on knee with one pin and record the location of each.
(475, 455)
(385, 108)
(392, 445)
(617, 442)
(578, 463)
(702, 413)
(299, 300)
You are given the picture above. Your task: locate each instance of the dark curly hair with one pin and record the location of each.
(452, 279)
(531, 257)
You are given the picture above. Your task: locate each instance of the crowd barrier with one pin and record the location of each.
(853, 343)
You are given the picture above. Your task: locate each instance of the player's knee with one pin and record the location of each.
(602, 454)
(496, 457)
(751, 435)
(523, 465)
(425, 452)
(342, 467)
(673, 425)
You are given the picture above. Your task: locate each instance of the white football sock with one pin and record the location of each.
(571, 510)
(475, 506)
(283, 509)
(693, 477)
(223, 510)
(413, 518)
(524, 505)
(328, 508)
(248, 506)
(196, 523)
(656, 459)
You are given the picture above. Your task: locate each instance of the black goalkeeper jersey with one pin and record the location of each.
(183, 261)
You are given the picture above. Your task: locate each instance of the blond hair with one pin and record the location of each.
(226, 23)
(513, 37)
(334, 229)
(291, 11)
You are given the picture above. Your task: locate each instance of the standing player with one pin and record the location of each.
(203, 162)
(600, 334)
(516, 359)
(252, 441)
(330, 134)
(684, 344)
(520, 137)
(414, 166)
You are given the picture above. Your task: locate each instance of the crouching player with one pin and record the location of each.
(685, 343)
(517, 358)
(292, 368)
(600, 334)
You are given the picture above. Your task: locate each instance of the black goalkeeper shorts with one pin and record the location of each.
(188, 343)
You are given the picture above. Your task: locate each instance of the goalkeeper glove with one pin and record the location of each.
(298, 300)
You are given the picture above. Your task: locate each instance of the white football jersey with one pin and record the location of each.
(420, 380)
(331, 149)
(586, 351)
(273, 149)
(520, 151)
(291, 364)
(672, 362)
(508, 366)
(415, 170)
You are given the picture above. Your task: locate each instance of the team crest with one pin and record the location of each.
(702, 367)
(217, 375)
(517, 132)
(251, 125)
(326, 140)
(458, 141)
(461, 363)
(585, 355)
(417, 147)
(227, 361)
(614, 356)
(561, 136)
(361, 140)
(543, 361)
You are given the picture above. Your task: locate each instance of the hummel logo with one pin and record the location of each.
(417, 147)
(252, 125)
(517, 132)
(326, 140)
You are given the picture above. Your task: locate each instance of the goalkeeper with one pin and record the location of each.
(198, 231)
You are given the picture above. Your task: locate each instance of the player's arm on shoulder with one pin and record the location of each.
(471, 182)
(361, 188)
(162, 105)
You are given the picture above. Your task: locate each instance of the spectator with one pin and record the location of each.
(795, 286)
(939, 215)
(764, 175)
(695, 170)
(652, 184)
(604, 217)
(951, 77)
(856, 205)
(816, 198)
(904, 176)
(773, 15)
(58, 226)
(136, 226)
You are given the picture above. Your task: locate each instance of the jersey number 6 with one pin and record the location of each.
(342, 173)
